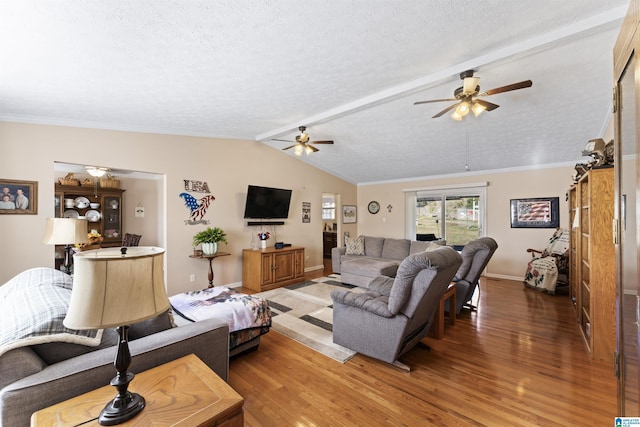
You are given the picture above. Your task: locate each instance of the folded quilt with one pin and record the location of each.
(240, 311)
(33, 306)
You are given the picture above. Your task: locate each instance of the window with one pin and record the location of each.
(328, 207)
(454, 213)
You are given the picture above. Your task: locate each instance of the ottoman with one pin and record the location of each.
(248, 316)
(361, 271)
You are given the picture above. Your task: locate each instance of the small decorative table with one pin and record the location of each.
(210, 258)
(438, 326)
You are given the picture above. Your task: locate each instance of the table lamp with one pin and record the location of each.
(65, 231)
(116, 287)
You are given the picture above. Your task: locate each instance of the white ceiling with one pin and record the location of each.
(350, 70)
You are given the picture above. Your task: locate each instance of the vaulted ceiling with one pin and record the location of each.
(348, 70)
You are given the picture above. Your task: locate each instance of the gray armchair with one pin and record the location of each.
(391, 317)
(475, 257)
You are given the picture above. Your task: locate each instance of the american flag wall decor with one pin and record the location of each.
(541, 212)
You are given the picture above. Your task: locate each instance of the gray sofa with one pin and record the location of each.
(40, 375)
(381, 257)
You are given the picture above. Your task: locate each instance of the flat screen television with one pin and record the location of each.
(267, 203)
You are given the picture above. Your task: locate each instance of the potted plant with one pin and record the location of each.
(209, 239)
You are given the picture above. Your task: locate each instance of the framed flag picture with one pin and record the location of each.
(541, 212)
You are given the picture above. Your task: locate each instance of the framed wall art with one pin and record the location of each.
(18, 197)
(349, 214)
(541, 212)
(306, 212)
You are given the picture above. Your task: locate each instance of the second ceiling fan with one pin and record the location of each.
(303, 143)
(468, 97)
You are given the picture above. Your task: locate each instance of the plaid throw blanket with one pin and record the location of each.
(32, 307)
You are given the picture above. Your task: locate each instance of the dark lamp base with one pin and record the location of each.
(121, 409)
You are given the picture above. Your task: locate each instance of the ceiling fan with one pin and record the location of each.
(468, 97)
(303, 145)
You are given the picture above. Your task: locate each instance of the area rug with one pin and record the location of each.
(304, 313)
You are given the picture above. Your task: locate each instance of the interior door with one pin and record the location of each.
(626, 164)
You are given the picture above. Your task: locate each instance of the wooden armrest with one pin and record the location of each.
(534, 252)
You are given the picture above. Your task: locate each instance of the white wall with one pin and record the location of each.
(228, 166)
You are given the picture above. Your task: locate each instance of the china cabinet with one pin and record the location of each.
(101, 206)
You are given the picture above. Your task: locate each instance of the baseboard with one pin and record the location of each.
(504, 276)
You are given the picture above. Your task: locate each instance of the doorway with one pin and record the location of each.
(329, 228)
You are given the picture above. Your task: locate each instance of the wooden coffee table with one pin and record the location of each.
(184, 392)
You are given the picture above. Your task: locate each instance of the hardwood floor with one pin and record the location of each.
(517, 361)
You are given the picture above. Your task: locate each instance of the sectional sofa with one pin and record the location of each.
(48, 371)
(366, 257)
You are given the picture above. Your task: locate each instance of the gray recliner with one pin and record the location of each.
(475, 257)
(391, 317)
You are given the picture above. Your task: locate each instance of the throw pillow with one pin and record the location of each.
(355, 245)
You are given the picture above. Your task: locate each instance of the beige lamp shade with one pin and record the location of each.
(111, 289)
(65, 231)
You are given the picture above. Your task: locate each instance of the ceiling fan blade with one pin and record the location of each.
(291, 146)
(449, 108)
(435, 100)
(321, 142)
(488, 105)
(314, 149)
(507, 88)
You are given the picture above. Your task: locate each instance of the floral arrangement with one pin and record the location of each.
(95, 238)
(264, 235)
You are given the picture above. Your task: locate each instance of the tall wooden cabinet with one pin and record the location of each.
(264, 269)
(592, 277)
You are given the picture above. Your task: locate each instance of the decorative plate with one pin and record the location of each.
(93, 216)
(71, 213)
(81, 202)
(374, 207)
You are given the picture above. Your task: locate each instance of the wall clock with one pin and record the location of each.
(374, 207)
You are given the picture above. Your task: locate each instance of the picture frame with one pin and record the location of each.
(349, 214)
(18, 197)
(306, 212)
(540, 212)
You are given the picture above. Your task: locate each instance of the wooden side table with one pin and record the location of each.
(438, 326)
(210, 258)
(184, 392)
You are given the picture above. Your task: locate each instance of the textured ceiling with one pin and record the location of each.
(349, 70)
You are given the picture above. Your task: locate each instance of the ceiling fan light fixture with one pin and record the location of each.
(455, 115)
(461, 110)
(94, 171)
(298, 150)
(308, 150)
(477, 108)
(469, 85)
